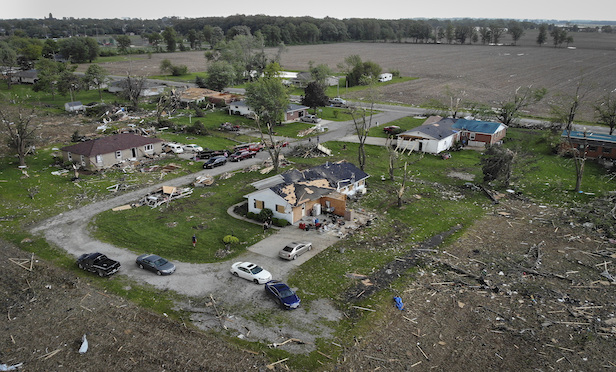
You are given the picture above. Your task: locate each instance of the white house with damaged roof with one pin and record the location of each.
(295, 194)
(293, 111)
(434, 136)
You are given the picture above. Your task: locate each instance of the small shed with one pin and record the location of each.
(74, 106)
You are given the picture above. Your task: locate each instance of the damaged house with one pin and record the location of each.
(105, 152)
(295, 194)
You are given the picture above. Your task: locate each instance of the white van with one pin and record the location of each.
(385, 77)
(173, 147)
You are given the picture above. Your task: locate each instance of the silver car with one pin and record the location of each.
(292, 250)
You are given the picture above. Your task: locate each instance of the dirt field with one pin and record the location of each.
(475, 73)
(521, 290)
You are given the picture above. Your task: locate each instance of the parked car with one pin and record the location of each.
(310, 119)
(338, 102)
(155, 263)
(250, 271)
(98, 263)
(256, 147)
(173, 147)
(292, 250)
(284, 295)
(392, 129)
(192, 148)
(216, 161)
(229, 126)
(241, 155)
(207, 153)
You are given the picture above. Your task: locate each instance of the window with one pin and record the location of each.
(607, 150)
(471, 136)
(592, 148)
(118, 154)
(83, 160)
(99, 159)
(258, 204)
(149, 147)
(279, 208)
(69, 156)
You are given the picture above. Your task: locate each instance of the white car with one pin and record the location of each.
(310, 119)
(292, 250)
(173, 147)
(192, 148)
(250, 271)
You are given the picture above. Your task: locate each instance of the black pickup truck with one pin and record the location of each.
(98, 263)
(207, 153)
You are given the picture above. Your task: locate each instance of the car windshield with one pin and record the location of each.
(285, 292)
(288, 249)
(256, 270)
(160, 262)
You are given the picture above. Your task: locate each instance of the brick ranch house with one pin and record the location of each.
(598, 146)
(105, 152)
(295, 194)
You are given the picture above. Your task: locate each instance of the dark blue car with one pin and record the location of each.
(283, 294)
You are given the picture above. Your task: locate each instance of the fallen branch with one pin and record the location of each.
(271, 365)
(364, 308)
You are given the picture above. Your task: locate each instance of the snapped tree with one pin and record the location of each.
(18, 125)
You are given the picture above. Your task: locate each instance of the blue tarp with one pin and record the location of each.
(399, 303)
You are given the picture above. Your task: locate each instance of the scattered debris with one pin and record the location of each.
(84, 345)
(165, 194)
(201, 181)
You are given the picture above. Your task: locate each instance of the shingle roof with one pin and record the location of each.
(299, 186)
(438, 130)
(110, 144)
(487, 127)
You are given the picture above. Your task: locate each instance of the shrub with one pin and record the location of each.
(179, 70)
(251, 215)
(265, 214)
(230, 239)
(200, 82)
(280, 222)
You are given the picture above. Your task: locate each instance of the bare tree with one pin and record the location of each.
(563, 113)
(133, 87)
(17, 123)
(362, 119)
(508, 112)
(605, 111)
(275, 148)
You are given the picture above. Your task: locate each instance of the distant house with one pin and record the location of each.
(304, 78)
(434, 136)
(25, 77)
(596, 145)
(147, 90)
(74, 106)
(293, 112)
(480, 133)
(295, 194)
(105, 152)
(198, 95)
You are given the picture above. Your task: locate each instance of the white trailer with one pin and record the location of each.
(385, 77)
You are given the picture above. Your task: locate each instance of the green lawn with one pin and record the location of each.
(405, 124)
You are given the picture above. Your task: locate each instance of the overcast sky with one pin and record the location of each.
(390, 9)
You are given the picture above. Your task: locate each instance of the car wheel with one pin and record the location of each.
(310, 247)
(256, 281)
(158, 272)
(235, 274)
(80, 266)
(101, 273)
(295, 257)
(140, 266)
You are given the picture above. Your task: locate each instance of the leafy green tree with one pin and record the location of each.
(165, 66)
(605, 111)
(170, 36)
(220, 74)
(8, 61)
(363, 73)
(50, 48)
(192, 38)
(516, 31)
(123, 42)
(496, 32)
(97, 77)
(449, 33)
(79, 49)
(314, 95)
(216, 36)
(269, 99)
(542, 37)
(69, 83)
(484, 32)
(154, 39)
(559, 36)
(49, 74)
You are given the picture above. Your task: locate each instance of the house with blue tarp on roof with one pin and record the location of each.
(595, 145)
(295, 194)
(476, 133)
(438, 134)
